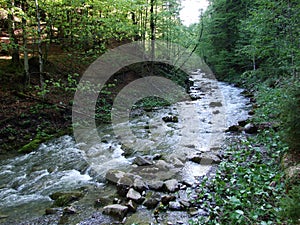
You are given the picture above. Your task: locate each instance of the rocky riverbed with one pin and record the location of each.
(153, 183)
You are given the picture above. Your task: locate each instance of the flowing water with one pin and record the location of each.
(63, 165)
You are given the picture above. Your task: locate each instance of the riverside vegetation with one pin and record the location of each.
(254, 44)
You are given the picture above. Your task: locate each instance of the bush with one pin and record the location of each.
(291, 119)
(291, 205)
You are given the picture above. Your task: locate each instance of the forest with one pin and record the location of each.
(46, 45)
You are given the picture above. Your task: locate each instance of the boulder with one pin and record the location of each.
(123, 185)
(174, 205)
(156, 185)
(140, 161)
(172, 185)
(206, 158)
(116, 210)
(152, 200)
(114, 175)
(140, 185)
(134, 195)
(167, 198)
(131, 206)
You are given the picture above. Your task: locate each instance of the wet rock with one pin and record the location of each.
(234, 128)
(242, 123)
(215, 104)
(185, 204)
(174, 205)
(131, 206)
(187, 182)
(176, 162)
(206, 158)
(156, 185)
(134, 195)
(251, 112)
(123, 185)
(250, 128)
(116, 210)
(195, 95)
(140, 185)
(157, 156)
(167, 198)
(69, 210)
(247, 94)
(52, 211)
(140, 161)
(152, 200)
(172, 185)
(114, 175)
(170, 119)
(65, 198)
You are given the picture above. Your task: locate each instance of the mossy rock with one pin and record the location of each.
(62, 199)
(31, 146)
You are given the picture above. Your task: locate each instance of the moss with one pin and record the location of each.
(31, 146)
(63, 199)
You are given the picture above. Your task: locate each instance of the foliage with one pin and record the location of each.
(291, 205)
(291, 117)
(247, 185)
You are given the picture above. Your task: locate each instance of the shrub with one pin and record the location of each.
(291, 119)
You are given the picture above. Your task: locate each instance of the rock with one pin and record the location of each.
(64, 199)
(250, 128)
(117, 201)
(151, 201)
(69, 210)
(123, 185)
(172, 185)
(131, 206)
(114, 175)
(187, 182)
(195, 95)
(140, 161)
(100, 202)
(156, 185)
(184, 203)
(242, 123)
(206, 158)
(140, 185)
(193, 212)
(52, 211)
(174, 205)
(116, 210)
(234, 128)
(251, 112)
(215, 104)
(157, 156)
(167, 198)
(134, 195)
(170, 119)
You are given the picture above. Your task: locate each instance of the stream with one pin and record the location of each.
(62, 165)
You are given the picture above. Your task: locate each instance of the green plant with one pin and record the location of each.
(291, 205)
(291, 118)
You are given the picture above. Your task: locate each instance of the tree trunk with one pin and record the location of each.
(14, 41)
(40, 46)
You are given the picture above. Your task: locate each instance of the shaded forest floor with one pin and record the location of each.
(26, 116)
